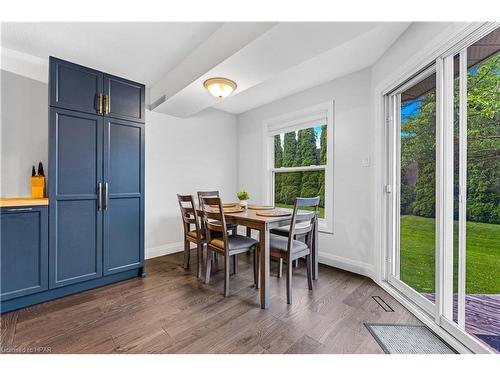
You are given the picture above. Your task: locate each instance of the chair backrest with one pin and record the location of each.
(213, 193)
(213, 217)
(189, 214)
(306, 209)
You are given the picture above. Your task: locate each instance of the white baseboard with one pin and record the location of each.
(346, 264)
(158, 251)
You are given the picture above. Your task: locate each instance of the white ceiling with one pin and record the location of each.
(267, 60)
(142, 52)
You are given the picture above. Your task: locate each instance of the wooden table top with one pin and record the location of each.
(251, 215)
(23, 201)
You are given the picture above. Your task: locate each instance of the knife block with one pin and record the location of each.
(38, 187)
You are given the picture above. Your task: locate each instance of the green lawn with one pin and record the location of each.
(290, 206)
(418, 254)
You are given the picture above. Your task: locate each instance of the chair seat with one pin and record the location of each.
(235, 242)
(279, 243)
(194, 235)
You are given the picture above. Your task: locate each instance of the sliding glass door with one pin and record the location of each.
(475, 296)
(444, 173)
(413, 110)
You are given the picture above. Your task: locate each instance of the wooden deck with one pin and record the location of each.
(170, 311)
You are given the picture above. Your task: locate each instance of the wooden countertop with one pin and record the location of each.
(23, 201)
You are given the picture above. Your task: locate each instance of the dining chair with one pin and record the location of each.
(196, 236)
(284, 232)
(227, 245)
(288, 249)
(233, 228)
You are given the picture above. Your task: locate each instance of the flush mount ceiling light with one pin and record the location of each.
(220, 87)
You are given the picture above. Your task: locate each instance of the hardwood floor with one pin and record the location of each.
(170, 311)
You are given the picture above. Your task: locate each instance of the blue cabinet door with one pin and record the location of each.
(24, 251)
(75, 170)
(124, 195)
(125, 99)
(75, 87)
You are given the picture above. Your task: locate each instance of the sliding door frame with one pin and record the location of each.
(442, 310)
(394, 185)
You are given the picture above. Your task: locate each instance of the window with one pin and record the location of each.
(300, 159)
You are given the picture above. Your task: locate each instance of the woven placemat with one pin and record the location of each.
(273, 213)
(259, 207)
(226, 204)
(228, 210)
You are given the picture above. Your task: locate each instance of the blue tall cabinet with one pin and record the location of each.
(95, 186)
(96, 174)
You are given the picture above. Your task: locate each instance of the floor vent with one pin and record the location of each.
(383, 304)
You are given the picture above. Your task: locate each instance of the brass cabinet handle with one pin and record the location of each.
(106, 103)
(100, 103)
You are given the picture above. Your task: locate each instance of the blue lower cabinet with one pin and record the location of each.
(24, 251)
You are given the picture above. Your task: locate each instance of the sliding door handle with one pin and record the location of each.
(99, 196)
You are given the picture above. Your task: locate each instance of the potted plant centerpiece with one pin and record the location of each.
(243, 197)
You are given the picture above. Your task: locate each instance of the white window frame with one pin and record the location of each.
(302, 119)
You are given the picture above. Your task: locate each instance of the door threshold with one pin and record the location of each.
(429, 322)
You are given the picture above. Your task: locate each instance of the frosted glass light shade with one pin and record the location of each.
(220, 87)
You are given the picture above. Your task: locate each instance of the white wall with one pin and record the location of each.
(351, 245)
(24, 132)
(184, 156)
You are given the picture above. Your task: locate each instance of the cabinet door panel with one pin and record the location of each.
(74, 86)
(124, 213)
(77, 157)
(24, 254)
(126, 98)
(124, 158)
(75, 169)
(123, 234)
(78, 244)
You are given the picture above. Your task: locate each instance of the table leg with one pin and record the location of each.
(265, 258)
(315, 251)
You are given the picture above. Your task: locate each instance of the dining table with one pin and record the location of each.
(252, 220)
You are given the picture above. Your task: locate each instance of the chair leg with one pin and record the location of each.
(280, 268)
(235, 264)
(208, 265)
(289, 282)
(309, 271)
(249, 234)
(187, 254)
(227, 270)
(199, 259)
